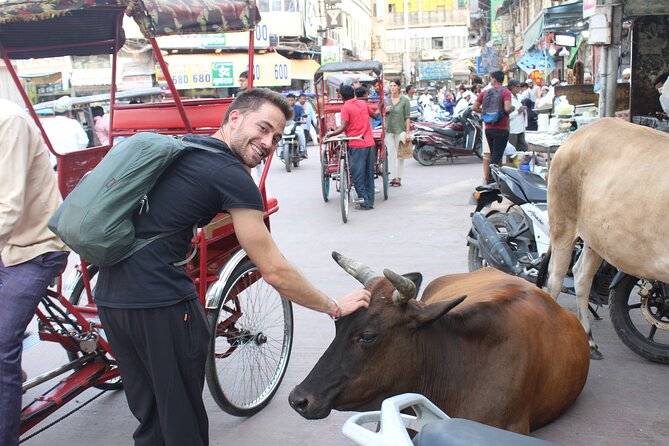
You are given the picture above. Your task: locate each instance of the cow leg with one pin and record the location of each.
(584, 272)
(558, 266)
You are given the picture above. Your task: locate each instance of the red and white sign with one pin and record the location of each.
(589, 7)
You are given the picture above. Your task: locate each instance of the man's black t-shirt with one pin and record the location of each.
(194, 188)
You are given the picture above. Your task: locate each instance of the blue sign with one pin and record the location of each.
(538, 60)
(428, 71)
(487, 61)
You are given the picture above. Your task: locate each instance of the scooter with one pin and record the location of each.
(516, 240)
(431, 425)
(461, 136)
(290, 146)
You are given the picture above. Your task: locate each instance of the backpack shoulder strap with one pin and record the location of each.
(195, 145)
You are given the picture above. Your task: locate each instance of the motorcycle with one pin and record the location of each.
(461, 136)
(516, 241)
(290, 146)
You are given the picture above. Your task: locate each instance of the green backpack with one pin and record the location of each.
(95, 219)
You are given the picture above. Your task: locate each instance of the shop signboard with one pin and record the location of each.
(428, 71)
(589, 8)
(214, 41)
(330, 54)
(535, 60)
(221, 74)
(203, 72)
(487, 62)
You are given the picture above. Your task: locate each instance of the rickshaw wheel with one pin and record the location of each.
(251, 340)
(384, 176)
(344, 189)
(325, 178)
(79, 297)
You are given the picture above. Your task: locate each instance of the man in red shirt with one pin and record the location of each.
(361, 154)
(496, 133)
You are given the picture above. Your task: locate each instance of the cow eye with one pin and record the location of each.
(367, 338)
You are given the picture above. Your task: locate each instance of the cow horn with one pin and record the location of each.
(405, 288)
(362, 273)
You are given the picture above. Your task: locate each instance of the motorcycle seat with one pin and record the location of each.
(446, 131)
(534, 187)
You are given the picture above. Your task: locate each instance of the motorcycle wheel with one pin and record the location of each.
(424, 158)
(642, 324)
(499, 220)
(287, 155)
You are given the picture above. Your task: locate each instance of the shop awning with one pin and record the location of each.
(567, 17)
(303, 69)
(223, 69)
(533, 32)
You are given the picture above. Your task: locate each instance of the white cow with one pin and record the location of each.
(609, 185)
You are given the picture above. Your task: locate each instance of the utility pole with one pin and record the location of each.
(406, 60)
(608, 67)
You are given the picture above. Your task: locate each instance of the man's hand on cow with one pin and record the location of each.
(354, 300)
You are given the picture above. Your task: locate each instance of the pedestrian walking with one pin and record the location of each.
(30, 254)
(398, 126)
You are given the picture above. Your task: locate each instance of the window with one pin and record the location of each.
(437, 43)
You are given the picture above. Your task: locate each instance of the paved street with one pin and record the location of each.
(421, 227)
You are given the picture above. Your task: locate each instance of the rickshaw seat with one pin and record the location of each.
(205, 117)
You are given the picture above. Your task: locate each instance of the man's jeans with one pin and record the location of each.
(21, 288)
(362, 173)
(301, 139)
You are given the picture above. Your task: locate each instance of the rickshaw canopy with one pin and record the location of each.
(348, 67)
(50, 28)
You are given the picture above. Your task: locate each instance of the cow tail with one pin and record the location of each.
(542, 275)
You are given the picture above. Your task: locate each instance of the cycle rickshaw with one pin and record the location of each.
(251, 325)
(333, 153)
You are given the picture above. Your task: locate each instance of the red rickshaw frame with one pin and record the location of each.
(330, 150)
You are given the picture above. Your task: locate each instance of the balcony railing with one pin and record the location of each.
(441, 17)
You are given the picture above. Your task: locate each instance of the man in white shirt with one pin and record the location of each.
(516, 118)
(66, 134)
(662, 87)
(425, 98)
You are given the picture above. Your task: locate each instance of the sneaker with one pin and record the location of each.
(363, 208)
(377, 190)
(358, 200)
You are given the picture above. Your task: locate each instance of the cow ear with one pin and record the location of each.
(416, 278)
(435, 311)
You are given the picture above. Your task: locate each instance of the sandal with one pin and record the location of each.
(394, 182)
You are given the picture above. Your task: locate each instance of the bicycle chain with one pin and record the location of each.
(62, 418)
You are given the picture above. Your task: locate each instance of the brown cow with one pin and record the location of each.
(608, 185)
(506, 355)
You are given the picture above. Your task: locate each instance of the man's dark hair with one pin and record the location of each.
(661, 79)
(477, 80)
(291, 95)
(512, 83)
(498, 76)
(302, 95)
(244, 74)
(409, 87)
(360, 92)
(255, 98)
(346, 92)
(524, 84)
(97, 110)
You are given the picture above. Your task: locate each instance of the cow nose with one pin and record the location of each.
(298, 401)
